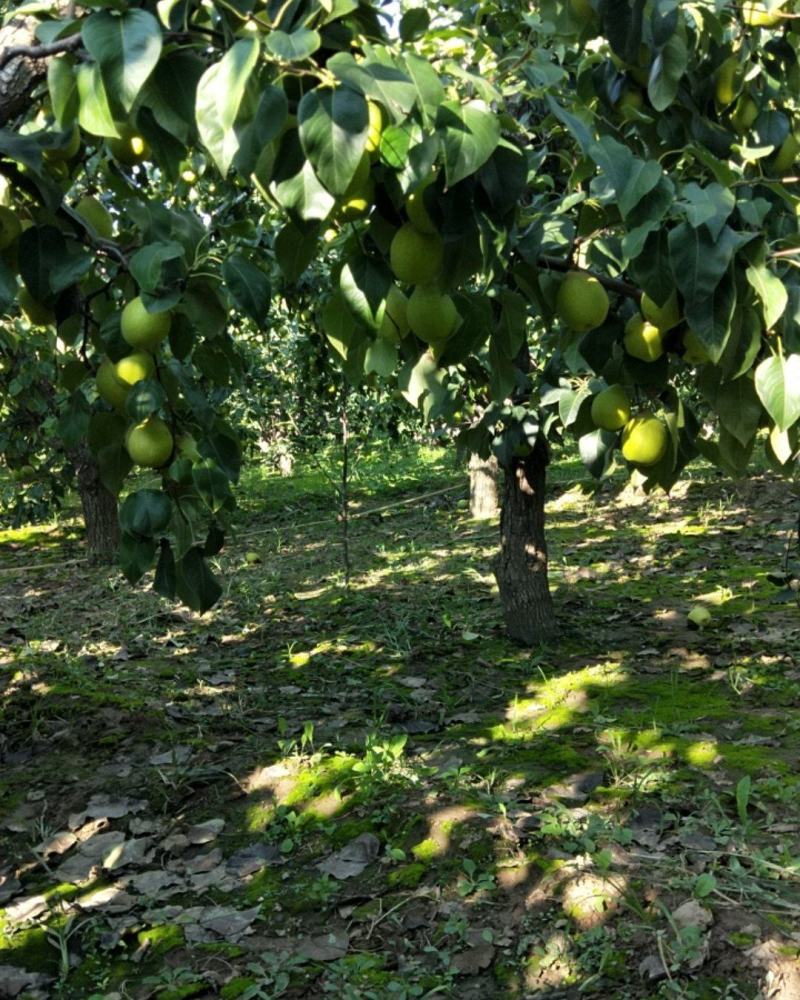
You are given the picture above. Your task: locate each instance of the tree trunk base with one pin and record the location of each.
(483, 476)
(521, 568)
(99, 509)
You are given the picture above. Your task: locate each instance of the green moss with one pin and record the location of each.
(236, 987)
(407, 877)
(263, 885)
(349, 829)
(161, 939)
(743, 941)
(183, 992)
(29, 949)
(221, 948)
(427, 850)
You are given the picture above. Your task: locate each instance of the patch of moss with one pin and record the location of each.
(221, 948)
(427, 850)
(29, 949)
(183, 992)
(161, 939)
(407, 877)
(348, 830)
(236, 987)
(262, 885)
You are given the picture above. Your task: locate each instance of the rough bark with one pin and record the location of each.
(483, 476)
(521, 568)
(99, 508)
(19, 74)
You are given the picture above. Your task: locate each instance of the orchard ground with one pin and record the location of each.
(315, 792)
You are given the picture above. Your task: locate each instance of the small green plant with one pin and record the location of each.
(472, 880)
(743, 790)
(381, 756)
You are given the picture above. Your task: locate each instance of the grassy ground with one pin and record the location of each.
(371, 793)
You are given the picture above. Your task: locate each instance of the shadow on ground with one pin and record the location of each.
(315, 792)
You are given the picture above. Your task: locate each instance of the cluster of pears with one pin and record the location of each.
(416, 255)
(644, 436)
(149, 442)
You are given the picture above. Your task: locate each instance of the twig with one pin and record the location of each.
(379, 919)
(40, 51)
(663, 957)
(612, 284)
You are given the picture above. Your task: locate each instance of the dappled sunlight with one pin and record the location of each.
(493, 789)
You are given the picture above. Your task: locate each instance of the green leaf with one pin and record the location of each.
(420, 380)
(220, 94)
(149, 265)
(381, 357)
(629, 177)
(145, 513)
(651, 268)
(509, 333)
(195, 584)
(63, 87)
(386, 84)
(255, 137)
(666, 73)
(294, 47)
(770, 290)
(135, 556)
(778, 388)
(736, 404)
(225, 450)
(429, 92)
(414, 23)
(144, 398)
(295, 248)
(576, 126)
(95, 114)
(469, 136)
(212, 484)
(333, 126)
(126, 47)
(73, 419)
(744, 343)
(171, 93)
(165, 578)
(49, 263)
(248, 286)
(743, 789)
(294, 184)
(699, 263)
(395, 141)
(365, 283)
(339, 325)
(596, 449)
(708, 206)
(704, 885)
(114, 463)
(502, 372)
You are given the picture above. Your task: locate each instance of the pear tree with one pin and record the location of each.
(572, 222)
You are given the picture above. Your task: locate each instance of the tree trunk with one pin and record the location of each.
(19, 75)
(483, 475)
(99, 508)
(521, 568)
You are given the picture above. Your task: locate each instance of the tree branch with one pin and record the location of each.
(612, 284)
(39, 51)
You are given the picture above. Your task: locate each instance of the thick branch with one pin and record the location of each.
(612, 284)
(39, 51)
